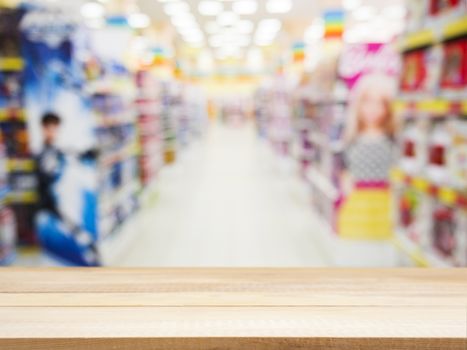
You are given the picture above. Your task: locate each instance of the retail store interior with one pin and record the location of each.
(233, 133)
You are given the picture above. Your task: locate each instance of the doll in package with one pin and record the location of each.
(420, 72)
(454, 71)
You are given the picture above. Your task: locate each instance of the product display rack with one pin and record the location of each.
(7, 222)
(169, 115)
(437, 32)
(22, 196)
(113, 95)
(148, 103)
(324, 173)
(430, 182)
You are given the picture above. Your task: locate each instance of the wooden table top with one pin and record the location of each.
(176, 309)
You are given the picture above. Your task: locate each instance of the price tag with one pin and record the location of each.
(421, 184)
(447, 195)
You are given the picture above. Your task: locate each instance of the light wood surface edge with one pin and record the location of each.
(234, 344)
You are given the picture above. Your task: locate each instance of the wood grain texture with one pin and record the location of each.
(233, 309)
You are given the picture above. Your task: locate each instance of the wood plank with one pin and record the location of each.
(233, 309)
(159, 287)
(156, 322)
(245, 298)
(247, 343)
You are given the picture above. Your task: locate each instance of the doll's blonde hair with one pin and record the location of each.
(374, 82)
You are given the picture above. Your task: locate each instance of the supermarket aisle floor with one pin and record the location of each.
(227, 202)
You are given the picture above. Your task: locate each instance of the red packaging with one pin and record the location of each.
(454, 72)
(414, 71)
(437, 7)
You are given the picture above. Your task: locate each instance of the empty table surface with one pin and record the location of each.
(233, 309)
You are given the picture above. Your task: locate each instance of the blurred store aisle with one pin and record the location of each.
(228, 202)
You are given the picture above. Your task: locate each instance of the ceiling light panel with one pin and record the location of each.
(173, 8)
(227, 18)
(245, 7)
(279, 6)
(244, 26)
(269, 25)
(210, 7)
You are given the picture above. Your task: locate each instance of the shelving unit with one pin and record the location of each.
(113, 97)
(148, 103)
(169, 118)
(435, 33)
(429, 182)
(22, 196)
(7, 222)
(445, 194)
(431, 108)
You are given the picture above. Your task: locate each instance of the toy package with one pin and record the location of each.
(440, 7)
(444, 230)
(438, 147)
(414, 146)
(457, 156)
(449, 233)
(420, 71)
(454, 69)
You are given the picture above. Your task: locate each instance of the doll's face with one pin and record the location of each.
(373, 109)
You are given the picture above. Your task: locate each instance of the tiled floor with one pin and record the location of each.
(227, 202)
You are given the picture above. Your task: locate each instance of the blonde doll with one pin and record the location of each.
(365, 212)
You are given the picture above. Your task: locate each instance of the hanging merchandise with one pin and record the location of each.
(433, 139)
(334, 24)
(298, 51)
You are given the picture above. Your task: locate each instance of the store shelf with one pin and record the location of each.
(436, 34)
(444, 194)
(419, 257)
(11, 64)
(20, 165)
(119, 120)
(12, 114)
(418, 39)
(455, 29)
(27, 197)
(432, 107)
(126, 152)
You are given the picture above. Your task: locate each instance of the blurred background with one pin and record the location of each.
(233, 133)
